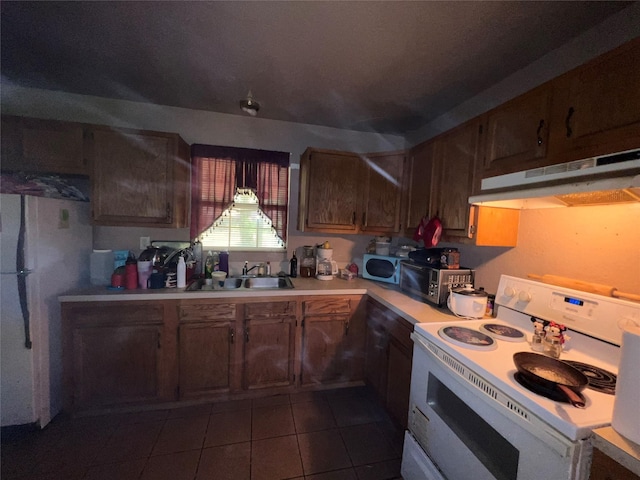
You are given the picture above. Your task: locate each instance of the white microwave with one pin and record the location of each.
(383, 268)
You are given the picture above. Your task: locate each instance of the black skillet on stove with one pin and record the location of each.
(552, 374)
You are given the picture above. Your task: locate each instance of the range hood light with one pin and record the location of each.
(600, 197)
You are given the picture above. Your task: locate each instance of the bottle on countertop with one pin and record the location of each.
(182, 273)
(208, 265)
(267, 271)
(224, 262)
(293, 266)
(196, 249)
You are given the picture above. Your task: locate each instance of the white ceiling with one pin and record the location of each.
(389, 66)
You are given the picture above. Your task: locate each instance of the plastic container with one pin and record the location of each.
(101, 267)
(145, 268)
(382, 248)
(182, 273)
(131, 275)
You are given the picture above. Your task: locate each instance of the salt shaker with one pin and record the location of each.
(552, 346)
(537, 340)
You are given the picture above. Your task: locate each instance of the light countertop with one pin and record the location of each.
(390, 296)
(619, 448)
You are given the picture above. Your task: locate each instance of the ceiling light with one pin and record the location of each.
(249, 105)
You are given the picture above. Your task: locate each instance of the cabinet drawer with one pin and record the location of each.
(327, 306)
(206, 311)
(105, 315)
(269, 309)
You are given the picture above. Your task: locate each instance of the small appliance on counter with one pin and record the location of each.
(382, 268)
(326, 267)
(431, 283)
(436, 257)
(467, 302)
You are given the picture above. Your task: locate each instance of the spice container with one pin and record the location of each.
(491, 311)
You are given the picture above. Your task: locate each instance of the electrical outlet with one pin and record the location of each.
(144, 242)
(63, 220)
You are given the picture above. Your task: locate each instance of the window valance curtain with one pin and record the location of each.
(217, 171)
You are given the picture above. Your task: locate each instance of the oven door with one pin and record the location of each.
(466, 433)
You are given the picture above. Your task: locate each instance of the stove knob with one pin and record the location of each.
(510, 292)
(524, 296)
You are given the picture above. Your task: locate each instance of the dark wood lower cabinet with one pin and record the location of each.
(332, 340)
(268, 357)
(389, 351)
(133, 353)
(115, 355)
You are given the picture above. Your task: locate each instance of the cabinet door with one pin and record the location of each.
(517, 133)
(330, 190)
(323, 347)
(398, 381)
(116, 364)
(454, 176)
(133, 177)
(382, 196)
(37, 145)
(205, 358)
(268, 354)
(376, 362)
(419, 174)
(208, 353)
(597, 106)
(604, 467)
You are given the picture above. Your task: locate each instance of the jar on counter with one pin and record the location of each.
(552, 346)
(308, 262)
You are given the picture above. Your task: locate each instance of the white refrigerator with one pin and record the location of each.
(50, 257)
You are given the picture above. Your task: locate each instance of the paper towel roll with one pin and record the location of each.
(626, 406)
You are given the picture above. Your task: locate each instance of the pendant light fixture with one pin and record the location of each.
(249, 105)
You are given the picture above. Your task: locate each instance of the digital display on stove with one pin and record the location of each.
(574, 301)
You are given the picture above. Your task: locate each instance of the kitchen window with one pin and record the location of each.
(239, 198)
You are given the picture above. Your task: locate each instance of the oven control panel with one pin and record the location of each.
(595, 315)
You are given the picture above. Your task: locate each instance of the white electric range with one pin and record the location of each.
(470, 415)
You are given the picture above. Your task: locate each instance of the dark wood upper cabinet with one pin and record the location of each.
(139, 178)
(346, 192)
(517, 133)
(455, 156)
(43, 146)
(596, 108)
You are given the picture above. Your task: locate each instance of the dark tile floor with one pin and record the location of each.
(332, 435)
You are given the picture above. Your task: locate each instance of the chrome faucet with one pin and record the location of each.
(246, 269)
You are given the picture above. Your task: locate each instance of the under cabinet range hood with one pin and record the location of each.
(603, 180)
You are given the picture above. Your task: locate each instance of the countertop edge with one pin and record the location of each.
(414, 311)
(619, 448)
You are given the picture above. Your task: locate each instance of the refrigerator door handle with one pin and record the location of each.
(22, 278)
(22, 273)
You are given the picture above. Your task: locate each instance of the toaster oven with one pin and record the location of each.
(431, 284)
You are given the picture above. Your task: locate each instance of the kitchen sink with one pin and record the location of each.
(268, 282)
(248, 283)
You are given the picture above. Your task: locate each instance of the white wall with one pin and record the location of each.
(196, 126)
(595, 244)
